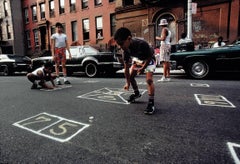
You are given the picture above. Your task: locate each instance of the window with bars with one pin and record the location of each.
(113, 23)
(74, 30)
(27, 33)
(34, 13)
(61, 6)
(42, 10)
(72, 5)
(99, 27)
(26, 16)
(51, 8)
(85, 29)
(84, 4)
(36, 37)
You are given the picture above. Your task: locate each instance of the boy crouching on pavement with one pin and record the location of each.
(143, 60)
(42, 74)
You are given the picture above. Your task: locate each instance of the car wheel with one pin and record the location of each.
(91, 69)
(198, 69)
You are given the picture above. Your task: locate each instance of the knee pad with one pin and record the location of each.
(149, 81)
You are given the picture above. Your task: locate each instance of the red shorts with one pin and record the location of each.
(60, 55)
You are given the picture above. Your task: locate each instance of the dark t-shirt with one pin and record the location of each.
(139, 49)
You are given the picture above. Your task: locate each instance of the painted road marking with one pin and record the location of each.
(199, 85)
(91, 81)
(232, 148)
(110, 95)
(59, 87)
(52, 126)
(213, 100)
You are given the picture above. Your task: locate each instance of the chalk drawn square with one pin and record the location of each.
(110, 95)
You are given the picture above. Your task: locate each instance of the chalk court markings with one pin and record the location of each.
(110, 95)
(52, 126)
(59, 87)
(235, 151)
(199, 85)
(213, 100)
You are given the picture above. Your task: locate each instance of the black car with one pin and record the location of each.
(12, 63)
(88, 60)
(199, 64)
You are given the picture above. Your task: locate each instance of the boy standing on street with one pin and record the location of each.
(59, 45)
(142, 57)
(42, 74)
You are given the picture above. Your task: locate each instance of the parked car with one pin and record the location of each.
(11, 63)
(199, 64)
(86, 59)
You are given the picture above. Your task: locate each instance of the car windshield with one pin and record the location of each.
(90, 50)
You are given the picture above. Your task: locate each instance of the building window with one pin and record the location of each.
(72, 5)
(28, 39)
(36, 37)
(53, 30)
(51, 8)
(26, 16)
(42, 10)
(5, 5)
(34, 13)
(84, 4)
(128, 2)
(74, 31)
(98, 2)
(85, 29)
(113, 24)
(99, 27)
(8, 31)
(61, 7)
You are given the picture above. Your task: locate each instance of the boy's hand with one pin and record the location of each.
(126, 87)
(140, 71)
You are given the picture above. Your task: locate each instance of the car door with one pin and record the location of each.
(228, 59)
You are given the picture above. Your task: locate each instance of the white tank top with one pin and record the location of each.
(168, 38)
(38, 69)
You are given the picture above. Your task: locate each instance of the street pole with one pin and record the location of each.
(189, 20)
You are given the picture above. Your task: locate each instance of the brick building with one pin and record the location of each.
(213, 18)
(11, 27)
(85, 22)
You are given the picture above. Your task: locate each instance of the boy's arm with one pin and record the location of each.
(53, 46)
(67, 47)
(127, 75)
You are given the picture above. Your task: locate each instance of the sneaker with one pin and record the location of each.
(150, 109)
(67, 82)
(163, 79)
(168, 79)
(133, 97)
(59, 83)
(34, 86)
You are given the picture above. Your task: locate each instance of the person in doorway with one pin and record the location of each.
(219, 43)
(42, 74)
(165, 49)
(59, 46)
(143, 60)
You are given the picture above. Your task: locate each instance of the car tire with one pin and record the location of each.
(198, 69)
(91, 69)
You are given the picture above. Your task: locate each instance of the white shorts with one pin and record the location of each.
(138, 64)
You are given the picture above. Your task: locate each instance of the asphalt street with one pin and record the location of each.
(90, 121)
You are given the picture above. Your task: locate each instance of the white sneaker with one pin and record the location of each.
(168, 79)
(162, 79)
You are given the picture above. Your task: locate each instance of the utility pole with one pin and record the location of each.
(189, 20)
